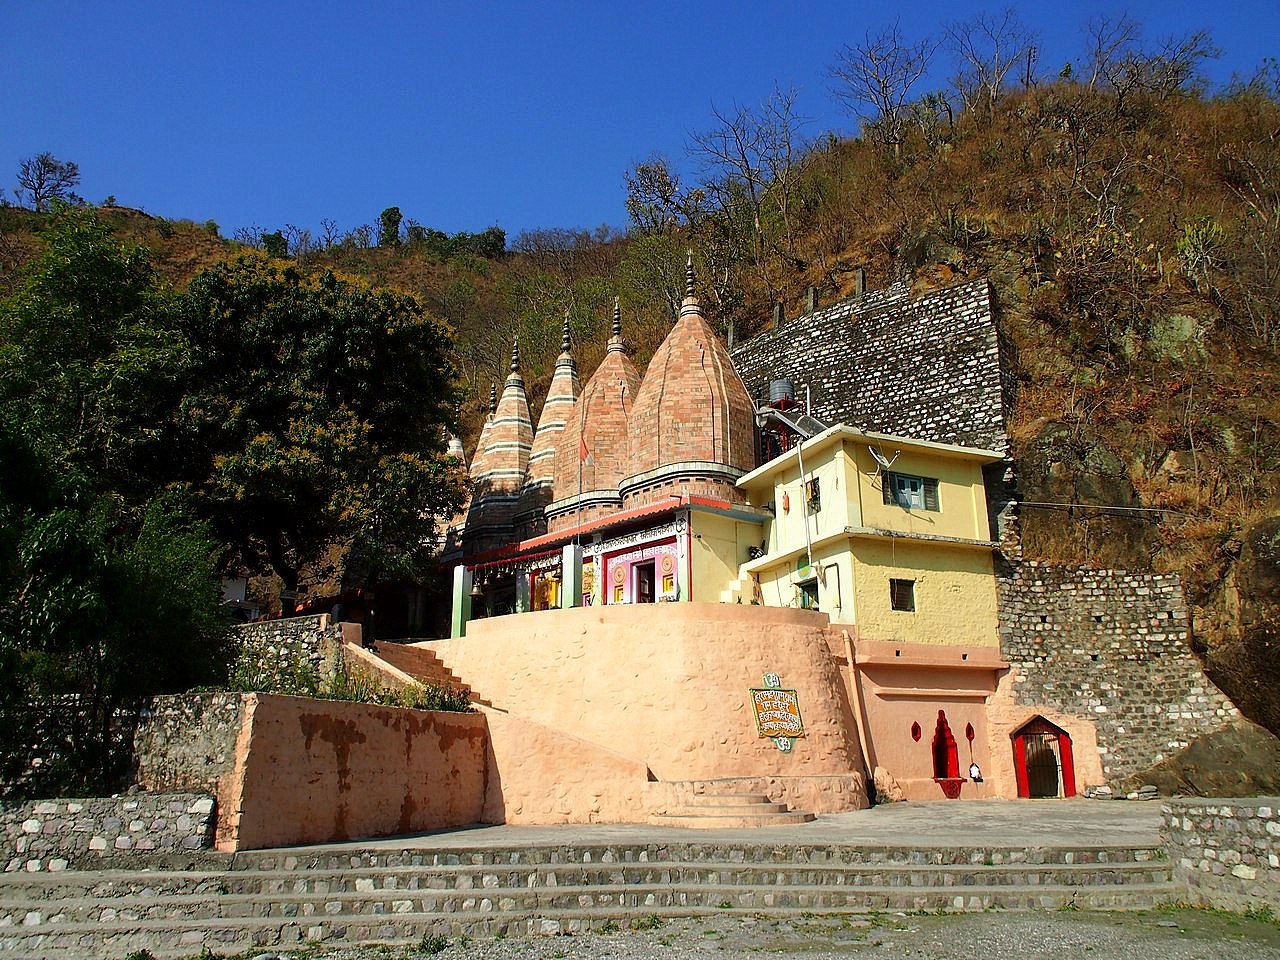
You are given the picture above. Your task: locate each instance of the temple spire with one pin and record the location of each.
(564, 340)
(515, 355)
(688, 274)
(617, 317)
(493, 397)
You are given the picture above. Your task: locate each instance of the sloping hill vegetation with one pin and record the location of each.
(1127, 217)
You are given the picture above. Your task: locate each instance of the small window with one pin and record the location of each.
(902, 595)
(809, 595)
(911, 493)
(813, 496)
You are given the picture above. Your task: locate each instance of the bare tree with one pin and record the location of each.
(1118, 60)
(656, 200)
(988, 49)
(752, 161)
(873, 80)
(44, 177)
(329, 234)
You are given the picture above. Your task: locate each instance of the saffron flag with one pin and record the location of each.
(584, 455)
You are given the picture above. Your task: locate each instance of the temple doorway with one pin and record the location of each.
(1043, 763)
(645, 581)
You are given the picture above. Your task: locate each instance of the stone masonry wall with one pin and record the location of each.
(1112, 646)
(187, 742)
(1226, 852)
(291, 656)
(103, 831)
(926, 367)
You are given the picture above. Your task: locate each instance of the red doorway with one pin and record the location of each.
(946, 762)
(1043, 762)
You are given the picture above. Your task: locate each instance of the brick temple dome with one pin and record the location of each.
(538, 489)
(691, 429)
(597, 426)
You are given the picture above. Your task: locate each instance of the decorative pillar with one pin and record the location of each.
(571, 576)
(462, 580)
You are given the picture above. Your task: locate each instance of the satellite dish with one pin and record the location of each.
(879, 457)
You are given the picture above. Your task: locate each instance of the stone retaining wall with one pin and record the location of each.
(292, 656)
(1113, 647)
(926, 367)
(187, 743)
(1226, 852)
(101, 831)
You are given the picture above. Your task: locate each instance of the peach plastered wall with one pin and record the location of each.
(667, 685)
(311, 771)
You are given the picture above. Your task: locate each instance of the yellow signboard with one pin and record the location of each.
(777, 712)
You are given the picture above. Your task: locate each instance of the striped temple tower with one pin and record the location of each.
(537, 493)
(692, 428)
(500, 465)
(586, 487)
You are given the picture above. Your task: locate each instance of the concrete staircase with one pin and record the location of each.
(423, 665)
(351, 894)
(729, 810)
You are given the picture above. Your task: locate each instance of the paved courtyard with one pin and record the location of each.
(944, 823)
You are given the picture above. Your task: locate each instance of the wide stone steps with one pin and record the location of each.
(127, 890)
(729, 810)
(265, 899)
(404, 923)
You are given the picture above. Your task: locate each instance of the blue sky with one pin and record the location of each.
(463, 115)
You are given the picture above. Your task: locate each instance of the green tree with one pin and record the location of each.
(275, 244)
(389, 227)
(311, 417)
(100, 607)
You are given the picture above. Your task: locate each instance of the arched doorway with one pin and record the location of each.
(1043, 763)
(946, 761)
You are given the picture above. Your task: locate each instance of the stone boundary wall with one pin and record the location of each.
(1225, 852)
(927, 367)
(187, 742)
(103, 831)
(1111, 646)
(290, 656)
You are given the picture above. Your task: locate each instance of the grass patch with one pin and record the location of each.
(651, 922)
(433, 943)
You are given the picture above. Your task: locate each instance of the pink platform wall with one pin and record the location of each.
(310, 771)
(667, 685)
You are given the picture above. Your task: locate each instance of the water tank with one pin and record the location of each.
(780, 390)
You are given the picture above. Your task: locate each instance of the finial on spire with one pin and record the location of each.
(515, 355)
(493, 397)
(617, 317)
(564, 340)
(688, 274)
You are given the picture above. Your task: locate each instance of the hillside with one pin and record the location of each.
(1133, 242)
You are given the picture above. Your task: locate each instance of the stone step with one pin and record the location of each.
(730, 820)
(30, 891)
(184, 936)
(420, 664)
(709, 809)
(705, 851)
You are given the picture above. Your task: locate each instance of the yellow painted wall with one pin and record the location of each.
(955, 592)
(787, 530)
(836, 596)
(961, 494)
(719, 547)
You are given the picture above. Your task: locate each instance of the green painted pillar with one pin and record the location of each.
(571, 576)
(462, 580)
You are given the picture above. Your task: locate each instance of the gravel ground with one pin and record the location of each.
(1182, 934)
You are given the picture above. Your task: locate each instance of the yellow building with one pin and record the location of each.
(886, 533)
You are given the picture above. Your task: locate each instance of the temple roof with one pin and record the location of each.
(598, 423)
(557, 408)
(510, 438)
(692, 406)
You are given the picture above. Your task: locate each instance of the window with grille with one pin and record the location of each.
(902, 595)
(911, 493)
(809, 595)
(813, 496)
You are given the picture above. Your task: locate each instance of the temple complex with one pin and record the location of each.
(790, 568)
